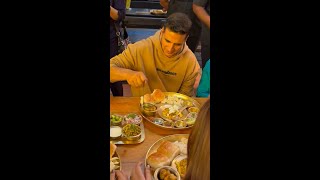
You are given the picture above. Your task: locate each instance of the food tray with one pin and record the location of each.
(123, 140)
(157, 12)
(186, 99)
(154, 147)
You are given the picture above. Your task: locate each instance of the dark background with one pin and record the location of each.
(55, 90)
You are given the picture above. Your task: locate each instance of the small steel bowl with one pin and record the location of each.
(149, 109)
(115, 136)
(180, 124)
(191, 118)
(158, 121)
(126, 119)
(156, 174)
(112, 123)
(132, 138)
(168, 123)
(193, 109)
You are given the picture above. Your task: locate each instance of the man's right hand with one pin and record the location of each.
(137, 79)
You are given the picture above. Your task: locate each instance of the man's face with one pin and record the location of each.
(171, 42)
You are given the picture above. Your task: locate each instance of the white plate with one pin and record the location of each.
(155, 146)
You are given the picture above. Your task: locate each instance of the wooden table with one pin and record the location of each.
(130, 154)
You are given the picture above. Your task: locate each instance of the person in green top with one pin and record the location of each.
(204, 85)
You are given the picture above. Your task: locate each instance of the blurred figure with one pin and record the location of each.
(199, 146)
(202, 10)
(185, 6)
(117, 14)
(204, 85)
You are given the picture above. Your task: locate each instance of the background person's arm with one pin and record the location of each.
(114, 13)
(164, 4)
(201, 13)
(118, 10)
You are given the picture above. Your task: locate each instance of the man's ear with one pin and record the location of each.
(162, 30)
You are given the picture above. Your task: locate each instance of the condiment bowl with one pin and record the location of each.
(180, 124)
(115, 119)
(131, 132)
(115, 132)
(148, 109)
(157, 172)
(193, 109)
(132, 118)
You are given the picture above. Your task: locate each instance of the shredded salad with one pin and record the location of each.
(132, 119)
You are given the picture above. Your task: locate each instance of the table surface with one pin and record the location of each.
(131, 154)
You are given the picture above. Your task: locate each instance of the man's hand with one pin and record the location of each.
(136, 79)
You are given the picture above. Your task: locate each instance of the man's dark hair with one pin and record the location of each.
(178, 23)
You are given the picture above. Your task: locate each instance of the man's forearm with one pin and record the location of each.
(119, 74)
(201, 13)
(164, 4)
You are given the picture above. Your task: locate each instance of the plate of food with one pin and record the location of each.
(157, 12)
(168, 151)
(114, 158)
(179, 163)
(126, 129)
(172, 112)
(169, 110)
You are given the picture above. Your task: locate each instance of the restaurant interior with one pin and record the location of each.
(138, 129)
(140, 24)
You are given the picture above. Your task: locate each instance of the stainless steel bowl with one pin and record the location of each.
(116, 123)
(171, 169)
(147, 110)
(132, 138)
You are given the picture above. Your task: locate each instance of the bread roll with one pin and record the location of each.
(147, 98)
(113, 148)
(158, 95)
(166, 152)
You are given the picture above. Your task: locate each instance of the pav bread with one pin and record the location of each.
(147, 98)
(166, 152)
(158, 95)
(155, 97)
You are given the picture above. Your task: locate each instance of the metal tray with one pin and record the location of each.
(186, 99)
(154, 147)
(123, 140)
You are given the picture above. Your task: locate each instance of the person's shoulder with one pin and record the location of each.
(207, 64)
(190, 55)
(139, 45)
(147, 41)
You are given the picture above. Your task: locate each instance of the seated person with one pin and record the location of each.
(204, 85)
(162, 61)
